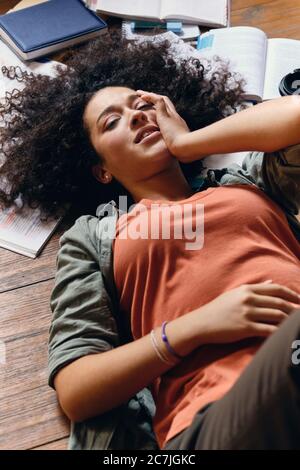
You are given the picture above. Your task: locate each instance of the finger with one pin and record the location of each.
(268, 301)
(267, 315)
(169, 104)
(263, 330)
(158, 101)
(149, 96)
(155, 98)
(275, 290)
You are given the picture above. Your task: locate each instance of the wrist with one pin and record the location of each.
(187, 147)
(179, 147)
(199, 334)
(164, 349)
(186, 333)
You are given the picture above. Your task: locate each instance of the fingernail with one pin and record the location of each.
(268, 281)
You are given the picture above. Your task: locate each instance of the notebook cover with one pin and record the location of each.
(50, 23)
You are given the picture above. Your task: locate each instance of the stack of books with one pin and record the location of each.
(44, 27)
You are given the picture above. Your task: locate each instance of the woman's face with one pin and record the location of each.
(118, 120)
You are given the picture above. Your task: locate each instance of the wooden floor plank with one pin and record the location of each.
(18, 271)
(249, 4)
(26, 365)
(6, 5)
(30, 419)
(25, 311)
(29, 413)
(277, 18)
(61, 444)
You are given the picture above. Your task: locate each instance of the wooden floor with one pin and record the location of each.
(29, 415)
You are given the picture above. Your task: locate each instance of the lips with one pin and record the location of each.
(144, 131)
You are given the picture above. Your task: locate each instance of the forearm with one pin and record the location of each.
(265, 127)
(97, 383)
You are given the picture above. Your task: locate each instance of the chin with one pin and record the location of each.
(161, 161)
(159, 154)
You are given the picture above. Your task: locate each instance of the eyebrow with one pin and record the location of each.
(113, 107)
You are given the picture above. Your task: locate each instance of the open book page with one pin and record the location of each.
(283, 57)
(131, 9)
(24, 232)
(206, 12)
(245, 47)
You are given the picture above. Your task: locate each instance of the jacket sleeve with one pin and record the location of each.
(82, 321)
(276, 173)
(281, 176)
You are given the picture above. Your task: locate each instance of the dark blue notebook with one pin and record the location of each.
(49, 27)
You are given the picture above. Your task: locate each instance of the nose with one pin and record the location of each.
(138, 117)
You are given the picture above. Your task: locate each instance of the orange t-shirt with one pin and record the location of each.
(247, 239)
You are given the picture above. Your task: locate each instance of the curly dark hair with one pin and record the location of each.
(46, 151)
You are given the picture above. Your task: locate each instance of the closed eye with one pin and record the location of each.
(111, 124)
(148, 105)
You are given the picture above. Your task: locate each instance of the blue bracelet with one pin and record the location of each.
(166, 341)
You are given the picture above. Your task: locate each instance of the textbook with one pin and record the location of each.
(49, 26)
(213, 13)
(261, 61)
(22, 232)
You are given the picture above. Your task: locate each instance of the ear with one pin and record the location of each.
(101, 174)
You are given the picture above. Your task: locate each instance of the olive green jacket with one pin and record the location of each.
(84, 300)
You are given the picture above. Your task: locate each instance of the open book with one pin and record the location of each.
(261, 61)
(23, 232)
(204, 12)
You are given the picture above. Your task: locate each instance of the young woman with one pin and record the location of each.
(199, 316)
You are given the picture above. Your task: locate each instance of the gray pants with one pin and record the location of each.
(262, 409)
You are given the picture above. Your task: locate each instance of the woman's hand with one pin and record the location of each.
(172, 127)
(247, 311)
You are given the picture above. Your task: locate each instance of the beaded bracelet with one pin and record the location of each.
(166, 341)
(159, 353)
